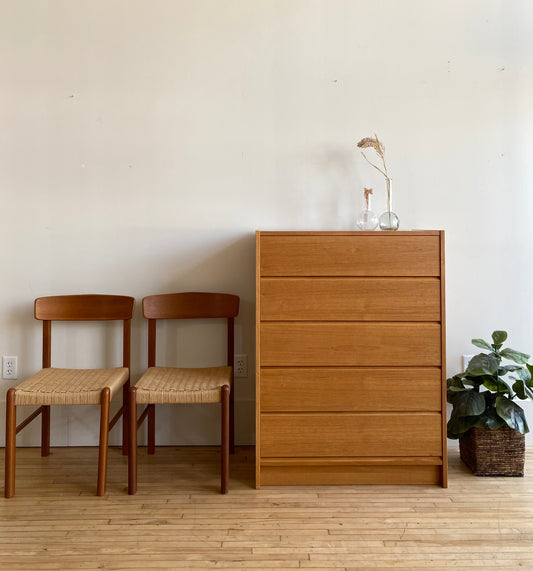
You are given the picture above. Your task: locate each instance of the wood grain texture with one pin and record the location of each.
(350, 389)
(350, 255)
(353, 344)
(343, 320)
(90, 307)
(304, 475)
(443, 353)
(180, 521)
(357, 299)
(190, 305)
(301, 435)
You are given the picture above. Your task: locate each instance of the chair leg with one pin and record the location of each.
(151, 429)
(104, 441)
(45, 431)
(132, 455)
(11, 442)
(231, 424)
(125, 418)
(225, 440)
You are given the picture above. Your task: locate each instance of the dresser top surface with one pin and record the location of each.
(347, 233)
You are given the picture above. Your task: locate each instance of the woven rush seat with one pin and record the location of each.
(169, 385)
(52, 386)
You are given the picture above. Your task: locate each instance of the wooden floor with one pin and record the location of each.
(179, 520)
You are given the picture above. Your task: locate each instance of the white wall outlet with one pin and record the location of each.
(9, 367)
(240, 368)
(466, 360)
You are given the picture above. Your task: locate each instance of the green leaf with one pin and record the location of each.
(512, 414)
(522, 390)
(474, 382)
(455, 389)
(508, 369)
(454, 385)
(459, 425)
(492, 420)
(483, 365)
(499, 337)
(451, 395)
(455, 381)
(481, 344)
(496, 384)
(468, 403)
(516, 356)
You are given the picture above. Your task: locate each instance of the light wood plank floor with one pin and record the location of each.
(179, 520)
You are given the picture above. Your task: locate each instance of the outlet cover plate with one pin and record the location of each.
(9, 367)
(240, 366)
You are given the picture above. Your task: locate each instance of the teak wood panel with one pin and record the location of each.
(305, 332)
(350, 389)
(345, 255)
(358, 299)
(350, 344)
(350, 434)
(350, 475)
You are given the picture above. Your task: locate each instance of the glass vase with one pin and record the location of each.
(388, 220)
(367, 220)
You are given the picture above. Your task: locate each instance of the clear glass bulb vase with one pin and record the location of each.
(388, 220)
(367, 220)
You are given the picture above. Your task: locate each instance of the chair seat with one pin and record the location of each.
(171, 385)
(53, 386)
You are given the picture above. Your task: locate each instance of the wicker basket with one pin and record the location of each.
(498, 452)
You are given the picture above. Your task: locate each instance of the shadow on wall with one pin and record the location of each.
(224, 263)
(228, 267)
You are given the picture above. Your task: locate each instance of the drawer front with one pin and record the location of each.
(375, 255)
(350, 344)
(344, 389)
(274, 475)
(347, 299)
(350, 434)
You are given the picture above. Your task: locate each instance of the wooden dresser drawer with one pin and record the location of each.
(347, 255)
(350, 299)
(355, 344)
(350, 389)
(350, 359)
(350, 434)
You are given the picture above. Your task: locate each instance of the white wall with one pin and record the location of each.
(143, 142)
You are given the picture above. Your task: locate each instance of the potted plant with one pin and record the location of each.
(485, 418)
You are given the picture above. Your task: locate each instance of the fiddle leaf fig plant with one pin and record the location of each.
(483, 395)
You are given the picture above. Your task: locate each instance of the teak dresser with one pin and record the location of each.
(350, 381)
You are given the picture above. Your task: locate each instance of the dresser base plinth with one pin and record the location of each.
(350, 475)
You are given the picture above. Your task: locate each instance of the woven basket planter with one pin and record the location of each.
(498, 452)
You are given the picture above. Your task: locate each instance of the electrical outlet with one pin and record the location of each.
(466, 360)
(240, 367)
(9, 367)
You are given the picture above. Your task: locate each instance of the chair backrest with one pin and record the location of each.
(86, 307)
(190, 305)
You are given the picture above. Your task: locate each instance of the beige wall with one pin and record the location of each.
(143, 142)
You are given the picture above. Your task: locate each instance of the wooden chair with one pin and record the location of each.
(163, 385)
(51, 386)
